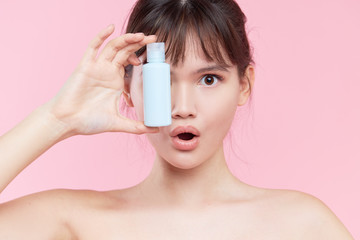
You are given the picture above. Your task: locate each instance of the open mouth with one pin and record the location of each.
(186, 136)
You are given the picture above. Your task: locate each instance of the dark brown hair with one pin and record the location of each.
(218, 24)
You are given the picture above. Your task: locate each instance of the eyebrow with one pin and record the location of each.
(212, 68)
(224, 68)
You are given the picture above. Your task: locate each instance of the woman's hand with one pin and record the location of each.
(88, 103)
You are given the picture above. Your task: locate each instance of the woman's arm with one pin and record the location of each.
(27, 141)
(86, 104)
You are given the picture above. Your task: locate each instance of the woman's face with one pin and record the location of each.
(204, 96)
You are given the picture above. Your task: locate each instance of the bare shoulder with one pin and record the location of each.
(306, 214)
(37, 216)
(45, 215)
(56, 199)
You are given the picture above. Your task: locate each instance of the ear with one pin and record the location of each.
(247, 84)
(126, 92)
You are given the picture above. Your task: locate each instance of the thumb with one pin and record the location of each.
(145, 129)
(133, 126)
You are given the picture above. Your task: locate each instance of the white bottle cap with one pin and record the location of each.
(155, 52)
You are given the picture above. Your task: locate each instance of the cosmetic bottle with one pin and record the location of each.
(156, 87)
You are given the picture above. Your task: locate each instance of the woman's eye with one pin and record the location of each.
(209, 80)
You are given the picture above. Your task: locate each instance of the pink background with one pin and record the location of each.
(304, 130)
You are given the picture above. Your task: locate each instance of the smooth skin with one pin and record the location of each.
(188, 195)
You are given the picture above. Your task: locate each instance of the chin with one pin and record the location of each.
(181, 165)
(184, 160)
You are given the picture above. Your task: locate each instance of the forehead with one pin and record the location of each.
(194, 63)
(195, 50)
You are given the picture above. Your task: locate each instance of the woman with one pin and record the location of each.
(190, 192)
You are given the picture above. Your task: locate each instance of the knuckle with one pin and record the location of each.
(126, 35)
(95, 42)
(115, 44)
(92, 44)
(100, 37)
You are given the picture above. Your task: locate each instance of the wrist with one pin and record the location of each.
(58, 129)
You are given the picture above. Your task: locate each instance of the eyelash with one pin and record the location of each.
(217, 77)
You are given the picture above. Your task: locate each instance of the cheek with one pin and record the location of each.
(138, 104)
(218, 111)
(157, 140)
(136, 91)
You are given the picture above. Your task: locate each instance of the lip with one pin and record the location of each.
(185, 145)
(184, 129)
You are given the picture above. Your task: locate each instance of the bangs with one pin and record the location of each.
(182, 22)
(202, 35)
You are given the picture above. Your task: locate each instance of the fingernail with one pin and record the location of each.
(139, 34)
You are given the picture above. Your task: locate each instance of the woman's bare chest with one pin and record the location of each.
(159, 224)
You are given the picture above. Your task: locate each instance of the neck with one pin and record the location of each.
(207, 182)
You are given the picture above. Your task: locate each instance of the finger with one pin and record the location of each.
(122, 56)
(134, 60)
(115, 45)
(94, 45)
(144, 129)
(132, 126)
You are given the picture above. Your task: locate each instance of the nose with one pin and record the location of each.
(182, 101)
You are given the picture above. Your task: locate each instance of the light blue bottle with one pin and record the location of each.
(156, 87)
